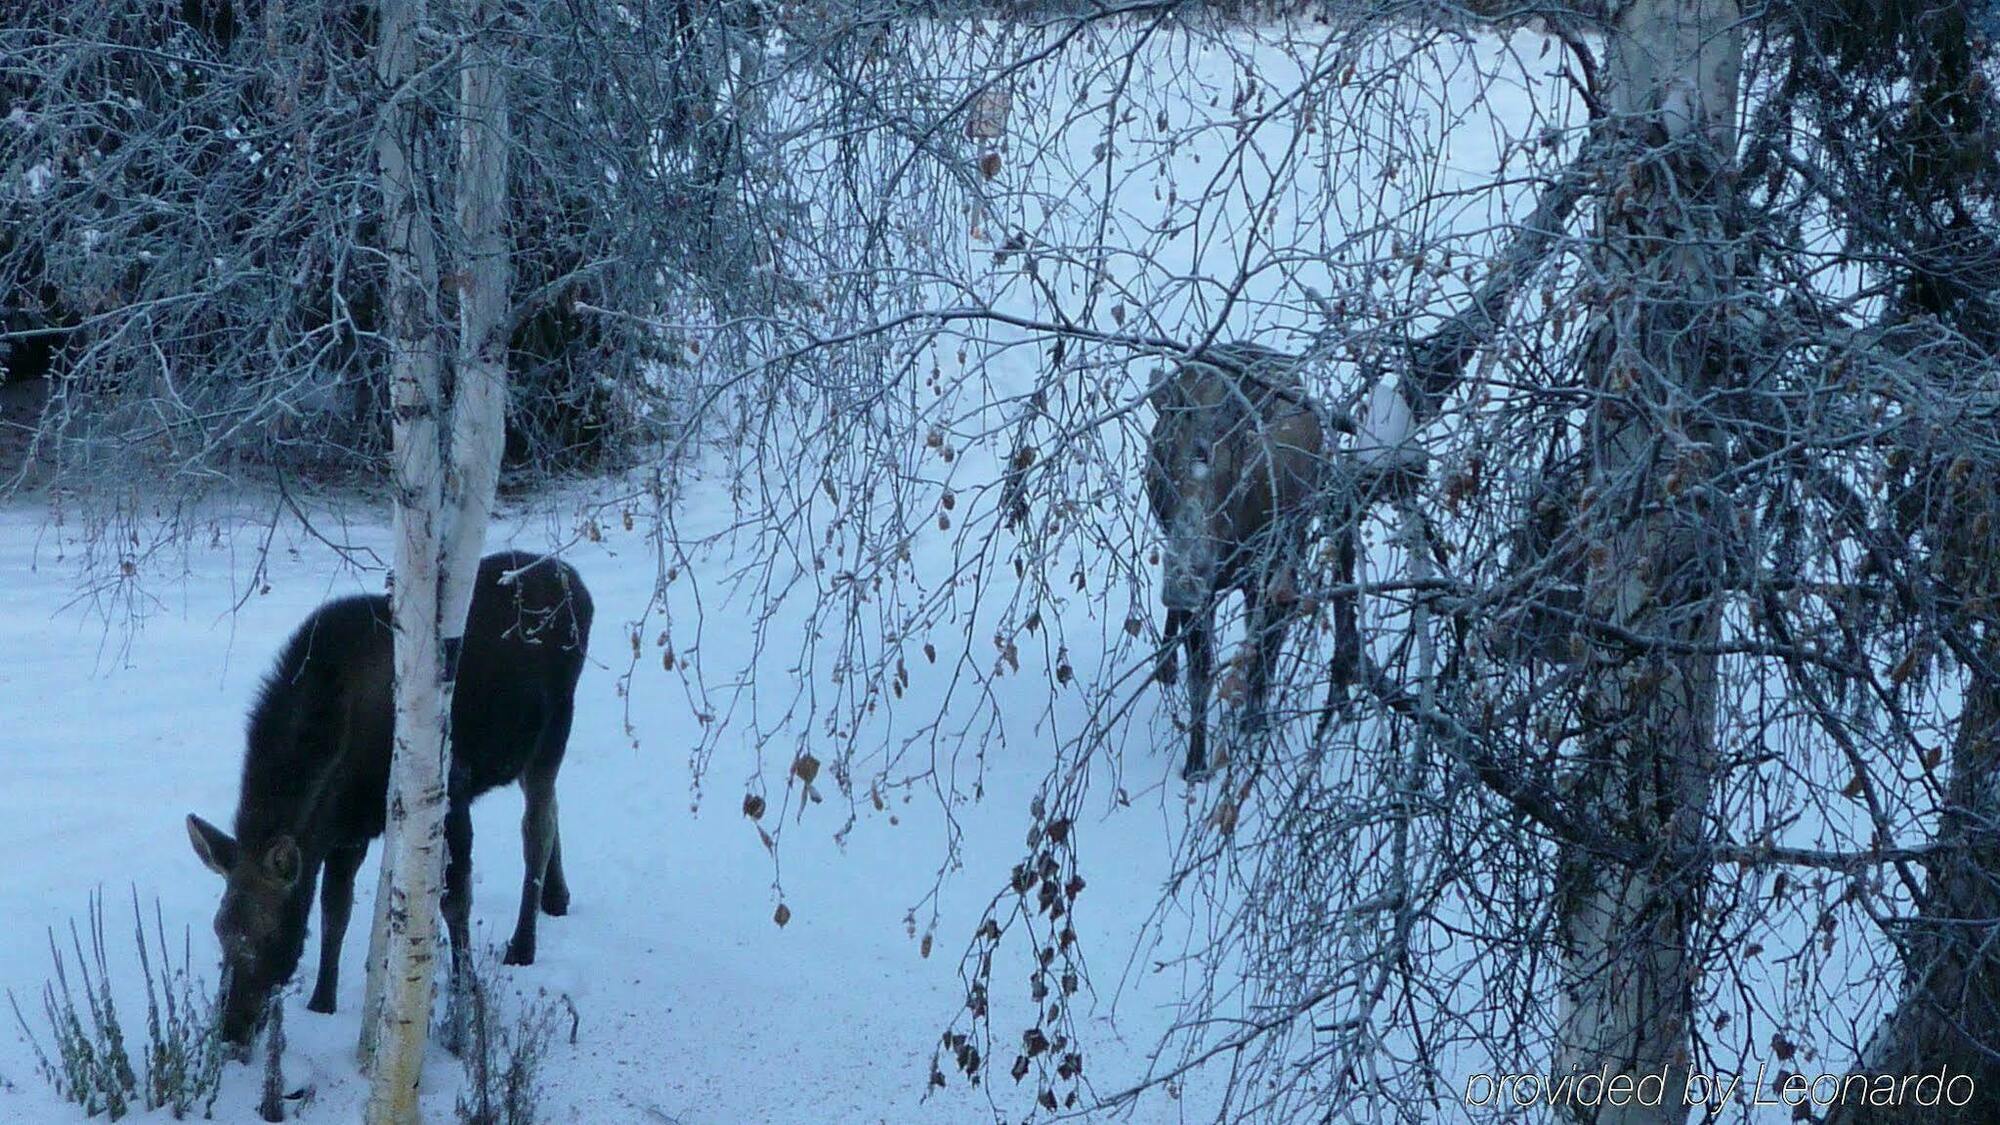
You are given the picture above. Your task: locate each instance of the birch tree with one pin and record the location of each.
(1648, 751)
(395, 1016)
(446, 465)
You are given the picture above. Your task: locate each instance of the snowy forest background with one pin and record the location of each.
(1667, 332)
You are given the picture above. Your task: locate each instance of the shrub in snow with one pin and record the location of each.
(88, 1062)
(502, 1050)
(271, 1103)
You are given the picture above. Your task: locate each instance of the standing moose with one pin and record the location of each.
(1236, 469)
(316, 774)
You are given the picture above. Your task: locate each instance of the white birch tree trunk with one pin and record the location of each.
(403, 940)
(485, 277)
(479, 393)
(1628, 977)
(443, 502)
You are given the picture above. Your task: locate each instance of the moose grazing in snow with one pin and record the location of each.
(316, 774)
(1237, 468)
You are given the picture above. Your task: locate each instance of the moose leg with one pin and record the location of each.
(554, 740)
(458, 882)
(555, 889)
(336, 903)
(457, 907)
(1170, 658)
(538, 837)
(1268, 620)
(1346, 669)
(1200, 628)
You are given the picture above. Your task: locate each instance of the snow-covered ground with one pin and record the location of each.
(695, 1007)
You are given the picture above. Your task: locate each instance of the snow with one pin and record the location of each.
(1382, 437)
(38, 178)
(693, 1004)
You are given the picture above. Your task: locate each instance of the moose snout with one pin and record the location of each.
(238, 1029)
(1185, 580)
(1187, 566)
(241, 1013)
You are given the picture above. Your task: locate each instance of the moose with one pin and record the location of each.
(316, 774)
(1237, 468)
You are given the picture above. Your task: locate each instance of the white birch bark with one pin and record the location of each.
(479, 398)
(413, 855)
(1627, 977)
(403, 940)
(442, 508)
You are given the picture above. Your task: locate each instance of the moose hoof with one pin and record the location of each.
(1195, 773)
(555, 905)
(519, 953)
(321, 1004)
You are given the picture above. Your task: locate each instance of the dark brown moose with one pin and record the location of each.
(316, 774)
(1236, 471)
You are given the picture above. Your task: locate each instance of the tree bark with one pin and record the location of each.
(1949, 1013)
(403, 941)
(444, 498)
(479, 398)
(479, 392)
(1627, 974)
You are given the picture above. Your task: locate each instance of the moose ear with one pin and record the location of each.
(281, 859)
(212, 844)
